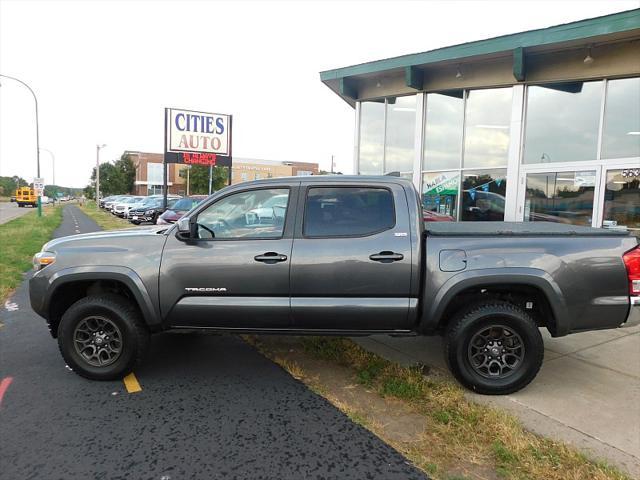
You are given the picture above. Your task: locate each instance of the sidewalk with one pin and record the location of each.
(586, 394)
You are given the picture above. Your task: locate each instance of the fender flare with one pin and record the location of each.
(532, 277)
(148, 308)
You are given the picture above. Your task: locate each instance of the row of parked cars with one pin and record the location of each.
(150, 209)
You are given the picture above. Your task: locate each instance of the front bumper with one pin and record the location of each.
(633, 318)
(141, 217)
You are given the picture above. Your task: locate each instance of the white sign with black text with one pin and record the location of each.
(199, 132)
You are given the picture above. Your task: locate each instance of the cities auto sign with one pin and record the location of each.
(198, 132)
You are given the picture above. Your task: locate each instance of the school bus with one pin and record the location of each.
(26, 196)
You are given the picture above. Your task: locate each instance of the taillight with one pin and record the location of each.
(632, 262)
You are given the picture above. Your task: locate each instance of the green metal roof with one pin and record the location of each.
(583, 29)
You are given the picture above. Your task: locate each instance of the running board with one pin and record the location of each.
(298, 331)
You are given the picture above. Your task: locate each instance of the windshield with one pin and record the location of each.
(185, 204)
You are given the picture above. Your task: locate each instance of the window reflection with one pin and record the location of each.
(371, 137)
(621, 135)
(443, 130)
(483, 194)
(401, 131)
(486, 142)
(562, 197)
(562, 122)
(622, 200)
(440, 194)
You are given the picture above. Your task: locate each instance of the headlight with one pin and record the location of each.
(42, 259)
(149, 212)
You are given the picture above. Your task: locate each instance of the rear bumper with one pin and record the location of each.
(633, 318)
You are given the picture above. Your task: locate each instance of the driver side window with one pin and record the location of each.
(245, 215)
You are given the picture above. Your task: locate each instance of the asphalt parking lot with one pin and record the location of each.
(209, 407)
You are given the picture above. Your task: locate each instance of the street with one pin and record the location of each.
(210, 407)
(10, 210)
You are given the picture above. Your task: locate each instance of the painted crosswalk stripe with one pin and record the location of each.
(131, 383)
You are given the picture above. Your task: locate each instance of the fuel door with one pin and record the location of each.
(453, 260)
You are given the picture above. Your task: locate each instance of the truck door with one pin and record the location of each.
(236, 273)
(352, 260)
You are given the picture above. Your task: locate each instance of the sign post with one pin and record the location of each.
(38, 188)
(196, 138)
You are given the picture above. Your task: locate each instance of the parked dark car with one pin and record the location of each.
(343, 255)
(179, 208)
(150, 211)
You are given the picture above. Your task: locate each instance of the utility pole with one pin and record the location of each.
(210, 177)
(98, 147)
(35, 99)
(331, 163)
(188, 172)
(53, 164)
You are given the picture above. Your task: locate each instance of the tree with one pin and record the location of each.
(115, 178)
(110, 180)
(127, 171)
(199, 179)
(8, 185)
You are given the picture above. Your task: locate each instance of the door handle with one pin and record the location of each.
(270, 257)
(386, 257)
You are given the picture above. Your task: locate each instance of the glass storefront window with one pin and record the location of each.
(443, 130)
(622, 200)
(400, 134)
(562, 197)
(440, 194)
(371, 137)
(486, 140)
(483, 195)
(562, 122)
(621, 134)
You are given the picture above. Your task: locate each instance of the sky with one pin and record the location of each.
(103, 72)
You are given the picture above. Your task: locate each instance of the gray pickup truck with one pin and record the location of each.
(336, 255)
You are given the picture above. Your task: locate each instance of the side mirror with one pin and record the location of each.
(185, 229)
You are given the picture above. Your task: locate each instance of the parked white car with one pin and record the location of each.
(122, 207)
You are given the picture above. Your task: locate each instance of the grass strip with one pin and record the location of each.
(20, 239)
(490, 443)
(106, 220)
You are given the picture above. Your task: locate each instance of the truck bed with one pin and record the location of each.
(515, 229)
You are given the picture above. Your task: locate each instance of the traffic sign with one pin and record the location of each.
(38, 186)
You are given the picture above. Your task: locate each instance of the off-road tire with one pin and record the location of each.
(468, 322)
(120, 311)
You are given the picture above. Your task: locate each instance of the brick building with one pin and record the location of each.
(149, 175)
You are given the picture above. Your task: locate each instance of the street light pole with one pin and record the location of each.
(98, 147)
(53, 162)
(35, 99)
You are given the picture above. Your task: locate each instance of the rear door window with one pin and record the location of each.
(348, 211)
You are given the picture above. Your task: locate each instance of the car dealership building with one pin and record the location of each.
(538, 125)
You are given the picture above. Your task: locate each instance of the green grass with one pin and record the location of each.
(458, 428)
(106, 220)
(20, 239)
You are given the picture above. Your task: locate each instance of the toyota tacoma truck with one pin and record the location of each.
(336, 255)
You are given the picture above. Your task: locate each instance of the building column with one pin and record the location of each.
(356, 142)
(421, 100)
(511, 213)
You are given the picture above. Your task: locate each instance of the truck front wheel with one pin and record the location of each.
(494, 348)
(102, 337)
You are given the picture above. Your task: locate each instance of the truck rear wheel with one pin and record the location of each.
(494, 348)
(102, 337)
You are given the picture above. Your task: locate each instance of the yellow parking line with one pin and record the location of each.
(131, 382)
